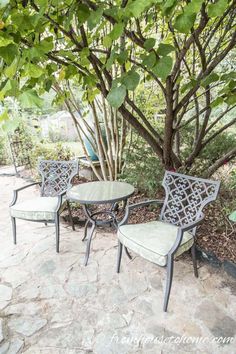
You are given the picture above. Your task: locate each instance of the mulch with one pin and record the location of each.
(216, 234)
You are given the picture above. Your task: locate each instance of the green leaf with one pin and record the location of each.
(116, 96)
(149, 60)
(83, 13)
(122, 57)
(232, 84)
(94, 18)
(30, 98)
(111, 59)
(193, 7)
(5, 87)
(46, 45)
(33, 70)
(218, 8)
(9, 53)
(4, 116)
(188, 85)
(184, 22)
(217, 102)
(163, 67)
(168, 6)
(116, 31)
(107, 41)
(229, 76)
(210, 79)
(231, 99)
(130, 80)
(42, 3)
(4, 41)
(138, 6)
(165, 49)
(149, 43)
(11, 70)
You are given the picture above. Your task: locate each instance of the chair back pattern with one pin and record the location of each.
(56, 176)
(185, 198)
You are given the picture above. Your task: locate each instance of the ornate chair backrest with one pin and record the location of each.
(185, 197)
(56, 176)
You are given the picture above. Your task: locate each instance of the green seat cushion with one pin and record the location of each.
(39, 208)
(232, 216)
(153, 240)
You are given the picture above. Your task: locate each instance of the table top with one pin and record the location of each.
(100, 192)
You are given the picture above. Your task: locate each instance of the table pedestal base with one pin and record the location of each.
(94, 221)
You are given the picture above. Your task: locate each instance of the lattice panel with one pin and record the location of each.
(56, 176)
(186, 197)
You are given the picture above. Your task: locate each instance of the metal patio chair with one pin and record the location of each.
(174, 233)
(56, 180)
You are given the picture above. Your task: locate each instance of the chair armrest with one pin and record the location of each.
(138, 205)
(15, 192)
(182, 229)
(59, 200)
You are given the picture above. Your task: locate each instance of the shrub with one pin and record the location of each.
(142, 168)
(4, 151)
(48, 151)
(232, 178)
(210, 154)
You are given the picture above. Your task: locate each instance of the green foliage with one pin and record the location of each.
(175, 47)
(46, 151)
(211, 153)
(4, 150)
(29, 98)
(232, 180)
(142, 168)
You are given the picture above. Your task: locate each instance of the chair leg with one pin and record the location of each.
(170, 266)
(46, 224)
(193, 253)
(120, 248)
(70, 216)
(89, 243)
(13, 220)
(57, 232)
(128, 254)
(85, 230)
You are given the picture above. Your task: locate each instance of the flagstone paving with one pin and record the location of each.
(51, 304)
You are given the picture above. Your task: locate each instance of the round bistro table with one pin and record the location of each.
(100, 192)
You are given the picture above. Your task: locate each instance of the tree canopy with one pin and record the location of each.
(114, 47)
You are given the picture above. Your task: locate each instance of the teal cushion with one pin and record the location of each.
(39, 208)
(153, 240)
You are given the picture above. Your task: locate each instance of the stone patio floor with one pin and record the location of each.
(51, 304)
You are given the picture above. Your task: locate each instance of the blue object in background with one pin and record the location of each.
(90, 150)
(89, 147)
